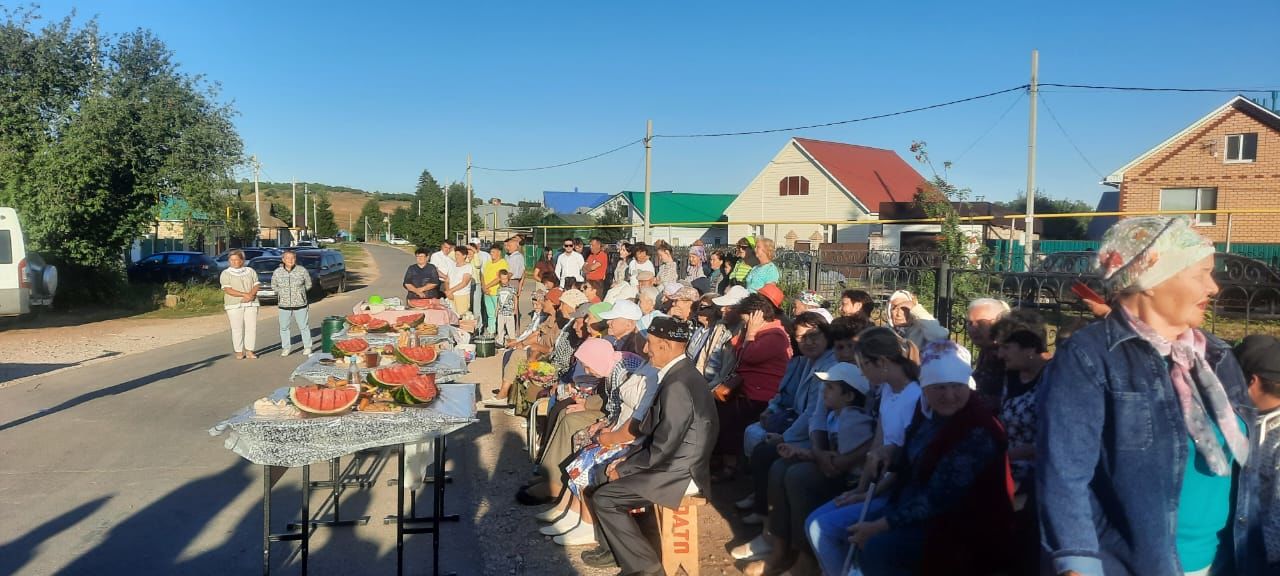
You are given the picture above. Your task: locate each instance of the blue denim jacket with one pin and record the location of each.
(1112, 450)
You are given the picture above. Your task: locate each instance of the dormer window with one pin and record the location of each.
(793, 186)
(1242, 147)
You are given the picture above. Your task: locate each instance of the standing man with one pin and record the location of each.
(679, 431)
(291, 284)
(515, 265)
(597, 265)
(569, 264)
(480, 258)
(422, 278)
(443, 259)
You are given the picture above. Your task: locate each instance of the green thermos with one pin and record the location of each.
(331, 325)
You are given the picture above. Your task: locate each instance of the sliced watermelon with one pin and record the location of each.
(348, 347)
(419, 303)
(416, 390)
(419, 355)
(322, 400)
(410, 319)
(358, 319)
(378, 325)
(392, 376)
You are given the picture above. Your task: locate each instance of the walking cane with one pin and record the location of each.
(851, 557)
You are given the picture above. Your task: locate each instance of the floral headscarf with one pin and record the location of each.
(1142, 252)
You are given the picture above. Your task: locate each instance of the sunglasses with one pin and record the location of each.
(568, 245)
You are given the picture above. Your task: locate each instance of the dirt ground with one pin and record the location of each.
(58, 341)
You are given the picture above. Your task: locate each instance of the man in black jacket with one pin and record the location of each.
(679, 433)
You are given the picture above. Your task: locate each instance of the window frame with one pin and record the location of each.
(1197, 219)
(1226, 148)
(801, 187)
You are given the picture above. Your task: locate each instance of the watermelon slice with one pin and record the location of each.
(393, 376)
(419, 355)
(420, 303)
(322, 400)
(343, 348)
(378, 325)
(416, 390)
(410, 319)
(358, 319)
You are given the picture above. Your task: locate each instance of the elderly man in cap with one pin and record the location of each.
(622, 319)
(679, 431)
(679, 301)
(1259, 356)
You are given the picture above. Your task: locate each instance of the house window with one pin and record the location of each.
(1242, 147)
(1192, 199)
(829, 233)
(793, 186)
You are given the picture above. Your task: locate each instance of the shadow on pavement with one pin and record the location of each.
(16, 370)
(113, 390)
(15, 554)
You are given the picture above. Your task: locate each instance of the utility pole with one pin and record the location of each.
(257, 201)
(1029, 223)
(648, 171)
(293, 209)
(366, 228)
(469, 193)
(350, 229)
(306, 194)
(445, 189)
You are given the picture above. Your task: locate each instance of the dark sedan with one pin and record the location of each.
(327, 268)
(174, 267)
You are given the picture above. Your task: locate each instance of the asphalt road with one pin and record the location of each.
(109, 469)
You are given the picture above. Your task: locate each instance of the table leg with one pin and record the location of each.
(266, 521)
(306, 515)
(336, 484)
(400, 512)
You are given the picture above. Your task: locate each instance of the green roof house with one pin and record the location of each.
(679, 218)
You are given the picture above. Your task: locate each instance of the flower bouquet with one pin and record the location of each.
(532, 379)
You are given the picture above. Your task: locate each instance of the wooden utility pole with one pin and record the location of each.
(306, 195)
(648, 171)
(257, 201)
(293, 209)
(445, 190)
(1029, 223)
(469, 193)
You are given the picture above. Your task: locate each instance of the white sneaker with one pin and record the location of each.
(306, 352)
(562, 526)
(495, 402)
(754, 550)
(746, 503)
(753, 519)
(284, 351)
(550, 516)
(582, 535)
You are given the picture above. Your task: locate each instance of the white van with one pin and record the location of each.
(25, 279)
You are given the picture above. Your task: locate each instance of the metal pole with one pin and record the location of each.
(648, 172)
(446, 212)
(1027, 234)
(469, 193)
(1228, 232)
(257, 201)
(293, 209)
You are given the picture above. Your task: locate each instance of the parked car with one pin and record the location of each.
(327, 268)
(174, 267)
(327, 241)
(399, 242)
(26, 282)
(249, 254)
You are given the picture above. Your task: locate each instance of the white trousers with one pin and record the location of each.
(244, 328)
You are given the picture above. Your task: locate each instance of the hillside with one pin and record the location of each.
(346, 201)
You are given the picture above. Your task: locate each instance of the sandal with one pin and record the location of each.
(251, 355)
(239, 355)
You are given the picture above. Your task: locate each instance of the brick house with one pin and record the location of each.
(1227, 160)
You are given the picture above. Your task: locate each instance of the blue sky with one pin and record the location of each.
(370, 94)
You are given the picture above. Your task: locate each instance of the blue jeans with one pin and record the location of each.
(827, 528)
(299, 317)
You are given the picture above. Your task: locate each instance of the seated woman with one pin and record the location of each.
(537, 344)
(796, 486)
(1021, 339)
(949, 508)
(762, 352)
(633, 385)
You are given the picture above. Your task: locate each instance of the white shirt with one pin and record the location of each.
(443, 263)
(569, 265)
(896, 411)
(635, 267)
(457, 273)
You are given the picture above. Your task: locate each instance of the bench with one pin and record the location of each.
(678, 531)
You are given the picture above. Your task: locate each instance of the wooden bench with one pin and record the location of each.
(678, 530)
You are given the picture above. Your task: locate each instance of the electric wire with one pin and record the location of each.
(1154, 89)
(563, 164)
(992, 127)
(1070, 141)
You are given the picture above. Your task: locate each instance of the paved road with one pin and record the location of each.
(109, 469)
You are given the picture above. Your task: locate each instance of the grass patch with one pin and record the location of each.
(353, 254)
(193, 300)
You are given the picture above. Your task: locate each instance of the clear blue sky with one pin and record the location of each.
(367, 95)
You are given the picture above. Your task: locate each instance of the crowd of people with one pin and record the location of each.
(870, 439)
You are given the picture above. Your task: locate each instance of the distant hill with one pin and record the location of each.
(345, 200)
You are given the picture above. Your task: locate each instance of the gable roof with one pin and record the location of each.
(672, 208)
(868, 175)
(572, 202)
(1240, 103)
(177, 209)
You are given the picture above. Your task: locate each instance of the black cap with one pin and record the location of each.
(1259, 354)
(668, 328)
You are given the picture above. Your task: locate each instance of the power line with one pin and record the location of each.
(562, 164)
(850, 121)
(992, 127)
(1070, 141)
(1154, 89)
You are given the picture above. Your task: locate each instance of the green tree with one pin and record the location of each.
(528, 217)
(1074, 228)
(242, 225)
(402, 221)
(938, 199)
(369, 225)
(619, 213)
(283, 213)
(326, 226)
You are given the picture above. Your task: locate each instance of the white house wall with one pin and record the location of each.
(760, 201)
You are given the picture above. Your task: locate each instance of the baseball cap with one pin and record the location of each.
(623, 291)
(644, 275)
(1259, 354)
(731, 297)
(582, 310)
(623, 309)
(573, 297)
(847, 373)
(772, 293)
(600, 308)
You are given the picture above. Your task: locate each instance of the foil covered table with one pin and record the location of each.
(448, 367)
